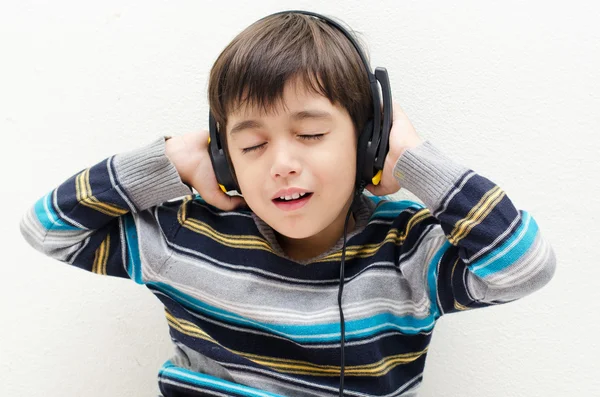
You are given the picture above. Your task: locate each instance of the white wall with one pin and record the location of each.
(509, 88)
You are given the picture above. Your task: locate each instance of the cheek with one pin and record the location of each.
(251, 181)
(339, 160)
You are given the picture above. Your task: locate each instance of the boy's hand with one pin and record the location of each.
(189, 155)
(402, 136)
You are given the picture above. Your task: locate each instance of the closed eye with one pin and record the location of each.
(315, 136)
(253, 148)
(305, 137)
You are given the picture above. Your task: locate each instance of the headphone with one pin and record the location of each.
(372, 145)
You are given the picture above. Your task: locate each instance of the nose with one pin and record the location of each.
(285, 162)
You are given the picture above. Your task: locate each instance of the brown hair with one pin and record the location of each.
(254, 68)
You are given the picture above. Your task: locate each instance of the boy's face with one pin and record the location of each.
(325, 166)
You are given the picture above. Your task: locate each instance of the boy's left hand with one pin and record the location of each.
(402, 136)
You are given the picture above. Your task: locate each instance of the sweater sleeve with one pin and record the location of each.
(480, 250)
(89, 220)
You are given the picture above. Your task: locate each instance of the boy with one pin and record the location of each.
(250, 284)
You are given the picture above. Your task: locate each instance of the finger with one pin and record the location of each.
(217, 198)
(397, 111)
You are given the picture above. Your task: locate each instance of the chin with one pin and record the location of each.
(294, 231)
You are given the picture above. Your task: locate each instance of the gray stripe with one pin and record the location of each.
(320, 346)
(57, 244)
(266, 300)
(540, 270)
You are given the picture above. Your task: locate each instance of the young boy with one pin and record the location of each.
(250, 284)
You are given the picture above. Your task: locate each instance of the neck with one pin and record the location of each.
(310, 247)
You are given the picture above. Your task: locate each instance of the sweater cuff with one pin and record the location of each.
(428, 173)
(148, 177)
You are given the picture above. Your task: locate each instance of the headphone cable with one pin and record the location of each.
(340, 290)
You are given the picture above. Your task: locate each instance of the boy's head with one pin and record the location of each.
(283, 78)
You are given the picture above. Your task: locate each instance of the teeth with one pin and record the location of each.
(292, 197)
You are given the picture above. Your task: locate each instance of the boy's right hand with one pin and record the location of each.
(189, 155)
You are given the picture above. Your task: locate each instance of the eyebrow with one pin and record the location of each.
(298, 116)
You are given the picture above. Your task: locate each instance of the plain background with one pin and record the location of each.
(510, 89)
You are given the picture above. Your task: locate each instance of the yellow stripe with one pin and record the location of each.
(101, 256)
(298, 367)
(95, 263)
(85, 197)
(109, 207)
(106, 252)
(234, 241)
(458, 227)
(393, 236)
(476, 215)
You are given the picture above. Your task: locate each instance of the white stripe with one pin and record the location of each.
(525, 269)
(455, 191)
(62, 214)
(507, 248)
(84, 244)
(494, 243)
(33, 227)
(321, 346)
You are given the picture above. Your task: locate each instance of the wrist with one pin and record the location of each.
(401, 149)
(172, 149)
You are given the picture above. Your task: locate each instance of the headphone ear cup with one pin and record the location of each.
(223, 172)
(363, 173)
(220, 160)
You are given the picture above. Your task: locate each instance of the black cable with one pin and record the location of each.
(340, 290)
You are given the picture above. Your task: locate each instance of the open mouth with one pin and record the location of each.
(300, 197)
(292, 203)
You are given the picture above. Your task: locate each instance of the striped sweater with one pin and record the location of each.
(246, 320)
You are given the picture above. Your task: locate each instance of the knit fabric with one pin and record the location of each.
(246, 320)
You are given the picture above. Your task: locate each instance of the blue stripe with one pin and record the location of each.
(328, 332)
(202, 380)
(49, 219)
(376, 199)
(134, 267)
(391, 209)
(522, 239)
